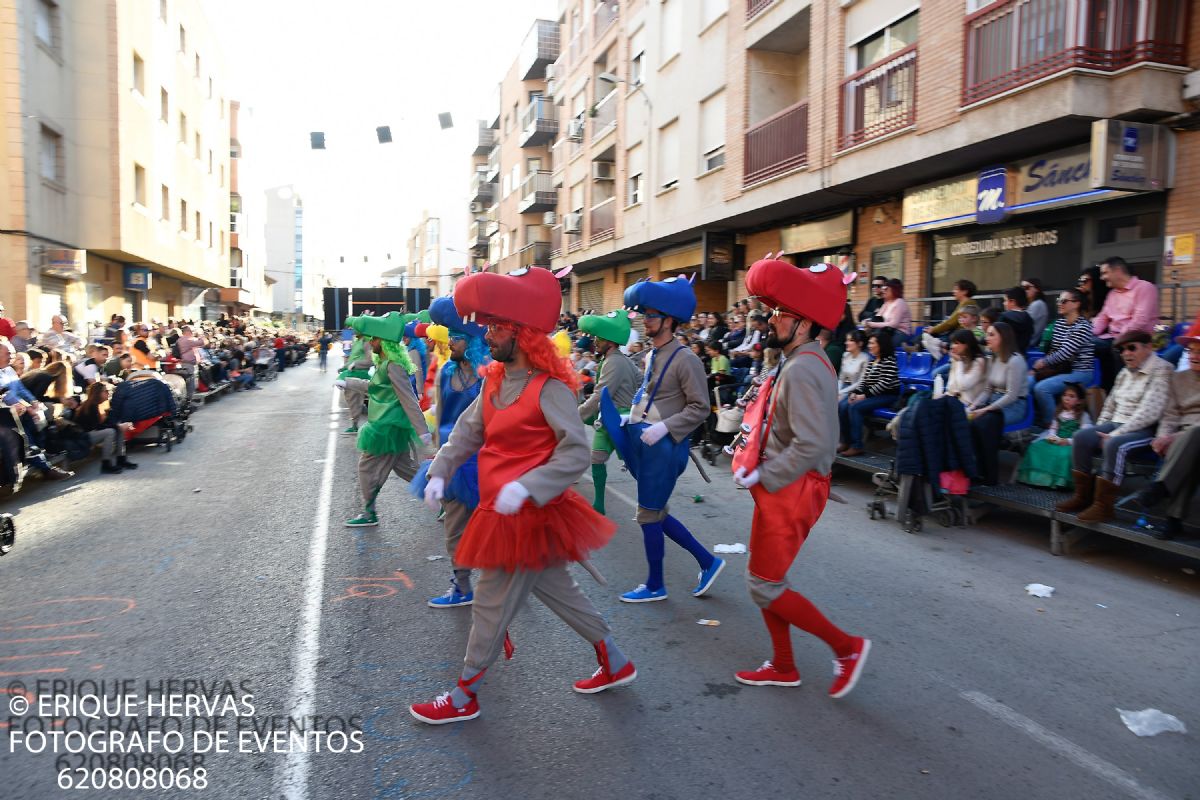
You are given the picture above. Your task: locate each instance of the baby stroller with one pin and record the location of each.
(266, 367)
(148, 401)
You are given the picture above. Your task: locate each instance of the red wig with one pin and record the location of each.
(542, 355)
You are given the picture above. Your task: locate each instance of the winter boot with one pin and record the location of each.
(1085, 484)
(1101, 510)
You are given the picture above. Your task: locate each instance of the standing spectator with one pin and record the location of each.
(854, 363)
(1036, 308)
(1128, 420)
(1069, 359)
(894, 316)
(281, 352)
(1131, 305)
(1016, 316)
(879, 388)
(189, 356)
(1095, 291)
(59, 338)
(1177, 440)
(871, 307)
(323, 345)
(91, 417)
(968, 369)
(1002, 405)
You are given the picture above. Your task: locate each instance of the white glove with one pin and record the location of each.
(624, 420)
(512, 496)
(652, 435)
(435, 490)
(741, 478)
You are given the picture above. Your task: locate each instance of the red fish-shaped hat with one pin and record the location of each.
(817, 293)
(527, 297)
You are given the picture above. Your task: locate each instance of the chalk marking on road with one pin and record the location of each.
(1063, 747)
(291, 779)
(50, 638)
(42, 655)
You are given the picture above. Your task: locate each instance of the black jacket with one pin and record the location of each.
(935, 438)
(1022, 325)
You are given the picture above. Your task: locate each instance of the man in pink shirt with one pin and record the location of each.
(189, 346)
(1131, 305)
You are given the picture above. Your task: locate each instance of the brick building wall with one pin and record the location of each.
(1183, 203)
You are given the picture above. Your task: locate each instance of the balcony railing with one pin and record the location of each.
(539, 122)
(1022, 41)
(880, 99)
(777, 144)
(537, 193)
(605, 115)
(575, 49)
(493, 164)
(556, 242)
(604, 16)
(481, 188)
(756, 7)
(604, 220)
(491, 221)
(540, 48)
(479, 236)
(487, 139)
(535, 254)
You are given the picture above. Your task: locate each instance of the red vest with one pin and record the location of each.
(515, 439)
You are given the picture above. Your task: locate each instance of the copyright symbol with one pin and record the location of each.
(18, 703)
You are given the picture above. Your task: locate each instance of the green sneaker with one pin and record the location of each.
(365, 521)
(353, 429)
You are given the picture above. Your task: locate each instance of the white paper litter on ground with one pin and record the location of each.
(1039, 590)
(434, 558)
(730, 548)
(1151, 722)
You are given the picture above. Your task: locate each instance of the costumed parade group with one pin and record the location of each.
(474, 405)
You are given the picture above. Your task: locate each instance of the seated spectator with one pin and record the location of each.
(144, 350)
(854, 363)
(1094, 291)
(871, 307)
(719, 328)
(1131, 305)
(20, 363)
(894, 316)
(1003, 404)
(1036, 306)
(1177, 440)
(987, 318)
(23, 336)
(21, 427)
(740, 356)
(879, 388)
(1047, 462)
(1017, 317)
(92, 417)
(1069, 359)
(119, 364)
(968, 368)
(60, 338)
(51, 383)
(1127, 421)
(737, 332)
(720, 373)
(963, 291)
(89, 370)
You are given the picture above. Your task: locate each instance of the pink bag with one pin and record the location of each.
(955, 482)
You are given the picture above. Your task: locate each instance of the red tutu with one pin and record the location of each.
(566, 529)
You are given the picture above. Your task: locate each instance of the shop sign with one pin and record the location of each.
(62, 263)
(1132, 156)
(991, 196)
(138, 279)
(1180, 250)
(941, 204)
(1061, 175)
(825, 234)
(720, 252)
(1000, 244)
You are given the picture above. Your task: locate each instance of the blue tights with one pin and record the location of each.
(652, 538)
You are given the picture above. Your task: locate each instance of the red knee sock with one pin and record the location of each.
(781, 641)
(797, 610)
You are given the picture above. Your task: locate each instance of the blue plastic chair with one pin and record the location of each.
(1033, 355)
(1096, 376)
(1027, 422)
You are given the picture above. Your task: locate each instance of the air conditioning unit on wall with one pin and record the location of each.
(549, 218)
(476, 208)
(572, 223)
(604, 170)
(575, 130)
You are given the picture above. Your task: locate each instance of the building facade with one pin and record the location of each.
(247, 288)
(114, 171)
(425, 256)
(284, 244)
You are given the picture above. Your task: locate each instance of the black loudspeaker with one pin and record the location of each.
(445, 121)
(317, 139)
(384, 134)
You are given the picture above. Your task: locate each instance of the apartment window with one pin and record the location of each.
(210, 234)
(182, 39)
(46, 24)
(516, 175)
(711, 11)
(139, 185)
(671, 33)
(163, 105)
(182, 128)
(162, 10)
(222, 108)
(139, 75)
(183, 216)
(222, 171)
(165, 212)
(210, 160)
(712, 132)
(235, 211)
(198, 226)
(196, 73)
(221, 234)
(668, 155)
(892, 39)
(198, 149)
(635, 166)
(637, 57)
(50, 159)
(210, 91)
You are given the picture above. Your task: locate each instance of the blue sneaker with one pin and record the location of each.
(452, 598)
(707, 577)
(643, 595)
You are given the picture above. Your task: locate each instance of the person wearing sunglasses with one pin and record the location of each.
(871, 308)
(1130, 416)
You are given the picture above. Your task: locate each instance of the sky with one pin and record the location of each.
(347, 67)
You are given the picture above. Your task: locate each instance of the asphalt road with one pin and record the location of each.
(215, 562)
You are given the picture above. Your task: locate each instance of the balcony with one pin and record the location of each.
(777, 144)
(536, 254)
(1021, 41)
(492, 173)
(604, 16)
(482, 190)
(604, 116)
(603, 220)
(540, 48)
(479, 237)
(486, 141)
(756, 7)
(538, 193)
(539, 123)
(879, 99)
(491, 221)
(556, 242)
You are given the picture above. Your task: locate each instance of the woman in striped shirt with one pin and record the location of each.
(878, 388)
(1070, 349)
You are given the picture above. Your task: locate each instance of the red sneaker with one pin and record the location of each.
(601, 679)
(767, 675)
(442, 711)
(847, 669)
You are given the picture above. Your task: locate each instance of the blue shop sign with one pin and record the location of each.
(138, 279)
(991, 196)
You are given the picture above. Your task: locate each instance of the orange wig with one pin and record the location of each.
(542, 355)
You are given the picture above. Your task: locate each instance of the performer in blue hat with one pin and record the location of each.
(654, 441)
(456, 387)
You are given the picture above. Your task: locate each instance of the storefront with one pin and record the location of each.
(1040, 217)
(61, 269)
(820, 241)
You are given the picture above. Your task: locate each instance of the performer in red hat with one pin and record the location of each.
(529, 524)
(786, 461)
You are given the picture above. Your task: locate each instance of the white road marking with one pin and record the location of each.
(1064, 747)
(291, 777)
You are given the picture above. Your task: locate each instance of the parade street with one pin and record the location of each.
(227, 560)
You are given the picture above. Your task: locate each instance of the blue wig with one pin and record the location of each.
(477, 356)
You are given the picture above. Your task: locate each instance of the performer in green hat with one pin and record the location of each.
(616, 373)
(353, 379)
(396, 431)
